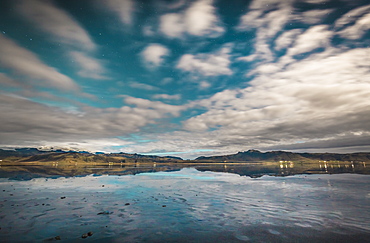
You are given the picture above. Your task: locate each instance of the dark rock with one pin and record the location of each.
(84, 236)
(90, 233)
(164, 206)
(126, 204)
(53, 238)
(62, 197)
(105, 212)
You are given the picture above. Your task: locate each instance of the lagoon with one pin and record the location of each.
(195, 203)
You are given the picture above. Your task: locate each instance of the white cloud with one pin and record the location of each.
(56, 22)
(267, 17)
(249, 58)
(314, 16)
(315, 37)
(154, 54)
(266, 68)
(199, 19)
(351, 16)
(360, 20)
(309, 100)
(357, 30)
(271, 15)
(204, 85)
(213, 64)
(90, 67)
(167, 96)
(124, 9)
(332, 67)
(157, 108)
(26, 63)
(286, 39)
(172, 25)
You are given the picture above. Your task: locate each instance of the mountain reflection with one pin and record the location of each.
(282, 168)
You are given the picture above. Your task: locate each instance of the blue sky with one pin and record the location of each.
(186, 78)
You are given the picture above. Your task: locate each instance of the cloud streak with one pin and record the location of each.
(56, 22)
(62, 28)
(315, 37)
(26, 121)
(27, 64)
(89, 67)
(123, 8)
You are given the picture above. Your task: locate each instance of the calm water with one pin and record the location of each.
(187, 205)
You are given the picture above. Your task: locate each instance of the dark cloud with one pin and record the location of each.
(341, 143)
(25, 121)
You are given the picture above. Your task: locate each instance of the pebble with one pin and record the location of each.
(62, 197)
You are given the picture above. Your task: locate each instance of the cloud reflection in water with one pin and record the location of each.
(187, 205)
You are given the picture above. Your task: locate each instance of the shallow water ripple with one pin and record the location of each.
(187, 206)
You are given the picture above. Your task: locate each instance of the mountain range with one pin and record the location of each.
(36, 155)
(255, 155)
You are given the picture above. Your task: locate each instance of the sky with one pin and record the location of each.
(185, 78)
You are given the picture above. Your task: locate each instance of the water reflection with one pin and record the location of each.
(288, 168)
(187, 205)
(281, 168)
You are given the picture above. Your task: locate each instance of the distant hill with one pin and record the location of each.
(35, 155)
(20, 152)
(255, 155)
(141, 156)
